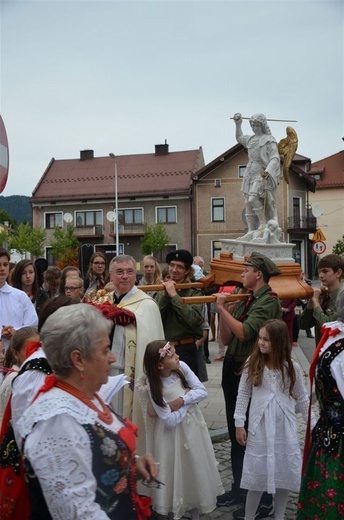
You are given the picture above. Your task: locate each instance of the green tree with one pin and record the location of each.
(4, 238)
(155, 239)
(28, 239)
(5, 217)
(338, 248)
(65, 246)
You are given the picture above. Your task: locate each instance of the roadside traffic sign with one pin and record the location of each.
(4, 160)
(319, 247)
(318, 236)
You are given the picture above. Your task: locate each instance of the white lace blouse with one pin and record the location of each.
(337, 365)
(60, 453)
(6, 389)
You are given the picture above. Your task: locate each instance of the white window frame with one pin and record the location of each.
(241, 170)
(166, 208)
(112, 249)
(49, 257)
(212, 207)
(300, 209)
(88, 211)
(215, 251)
(133, 210)
(53, 213)
(161, 256)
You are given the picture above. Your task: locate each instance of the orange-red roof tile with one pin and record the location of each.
(137, 175)
(331, 170)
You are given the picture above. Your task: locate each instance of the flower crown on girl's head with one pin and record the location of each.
(165, 350)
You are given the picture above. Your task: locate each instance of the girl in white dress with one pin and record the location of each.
(177, 434)
(274, 384)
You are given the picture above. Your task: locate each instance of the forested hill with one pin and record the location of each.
(18, 207)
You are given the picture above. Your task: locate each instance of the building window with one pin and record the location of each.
(161, 256)
(218, 210)
(88, 218)
(216, 248)
(297, 251)
(296, 212)
(241, 171)
(52, 260)
(53, 220)
(130, 216)
(110, 250)
(166, 215)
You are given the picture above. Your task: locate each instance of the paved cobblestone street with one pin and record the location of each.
(213, 409)
(214, 413)
(222, 456)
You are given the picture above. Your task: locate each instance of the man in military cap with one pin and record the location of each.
(239, 326)
(182, 323)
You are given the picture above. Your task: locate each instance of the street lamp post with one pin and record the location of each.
(116, 205)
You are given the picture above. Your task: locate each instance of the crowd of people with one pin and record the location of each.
(102, 377)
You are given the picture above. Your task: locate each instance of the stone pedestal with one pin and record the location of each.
(278, 253)
(228, 267)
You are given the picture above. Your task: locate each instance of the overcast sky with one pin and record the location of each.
(122, 76)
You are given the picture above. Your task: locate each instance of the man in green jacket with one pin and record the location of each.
(182, 322)
(239, 328)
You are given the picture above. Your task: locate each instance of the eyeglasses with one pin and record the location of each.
(72, 289)
(153, 483)
(98, 263)
(121, 272)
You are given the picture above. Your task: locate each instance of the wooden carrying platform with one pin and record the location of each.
(226, 271)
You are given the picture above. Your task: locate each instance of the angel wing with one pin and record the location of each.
(287, 147)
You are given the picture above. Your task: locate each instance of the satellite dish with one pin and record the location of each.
(317, 211)
(67, 217)
(111, 216)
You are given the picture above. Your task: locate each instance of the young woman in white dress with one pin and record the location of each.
(273, 385)
(177, 434)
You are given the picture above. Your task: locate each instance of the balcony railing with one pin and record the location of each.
(89, 231)
(302, 224)
(128, 229)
